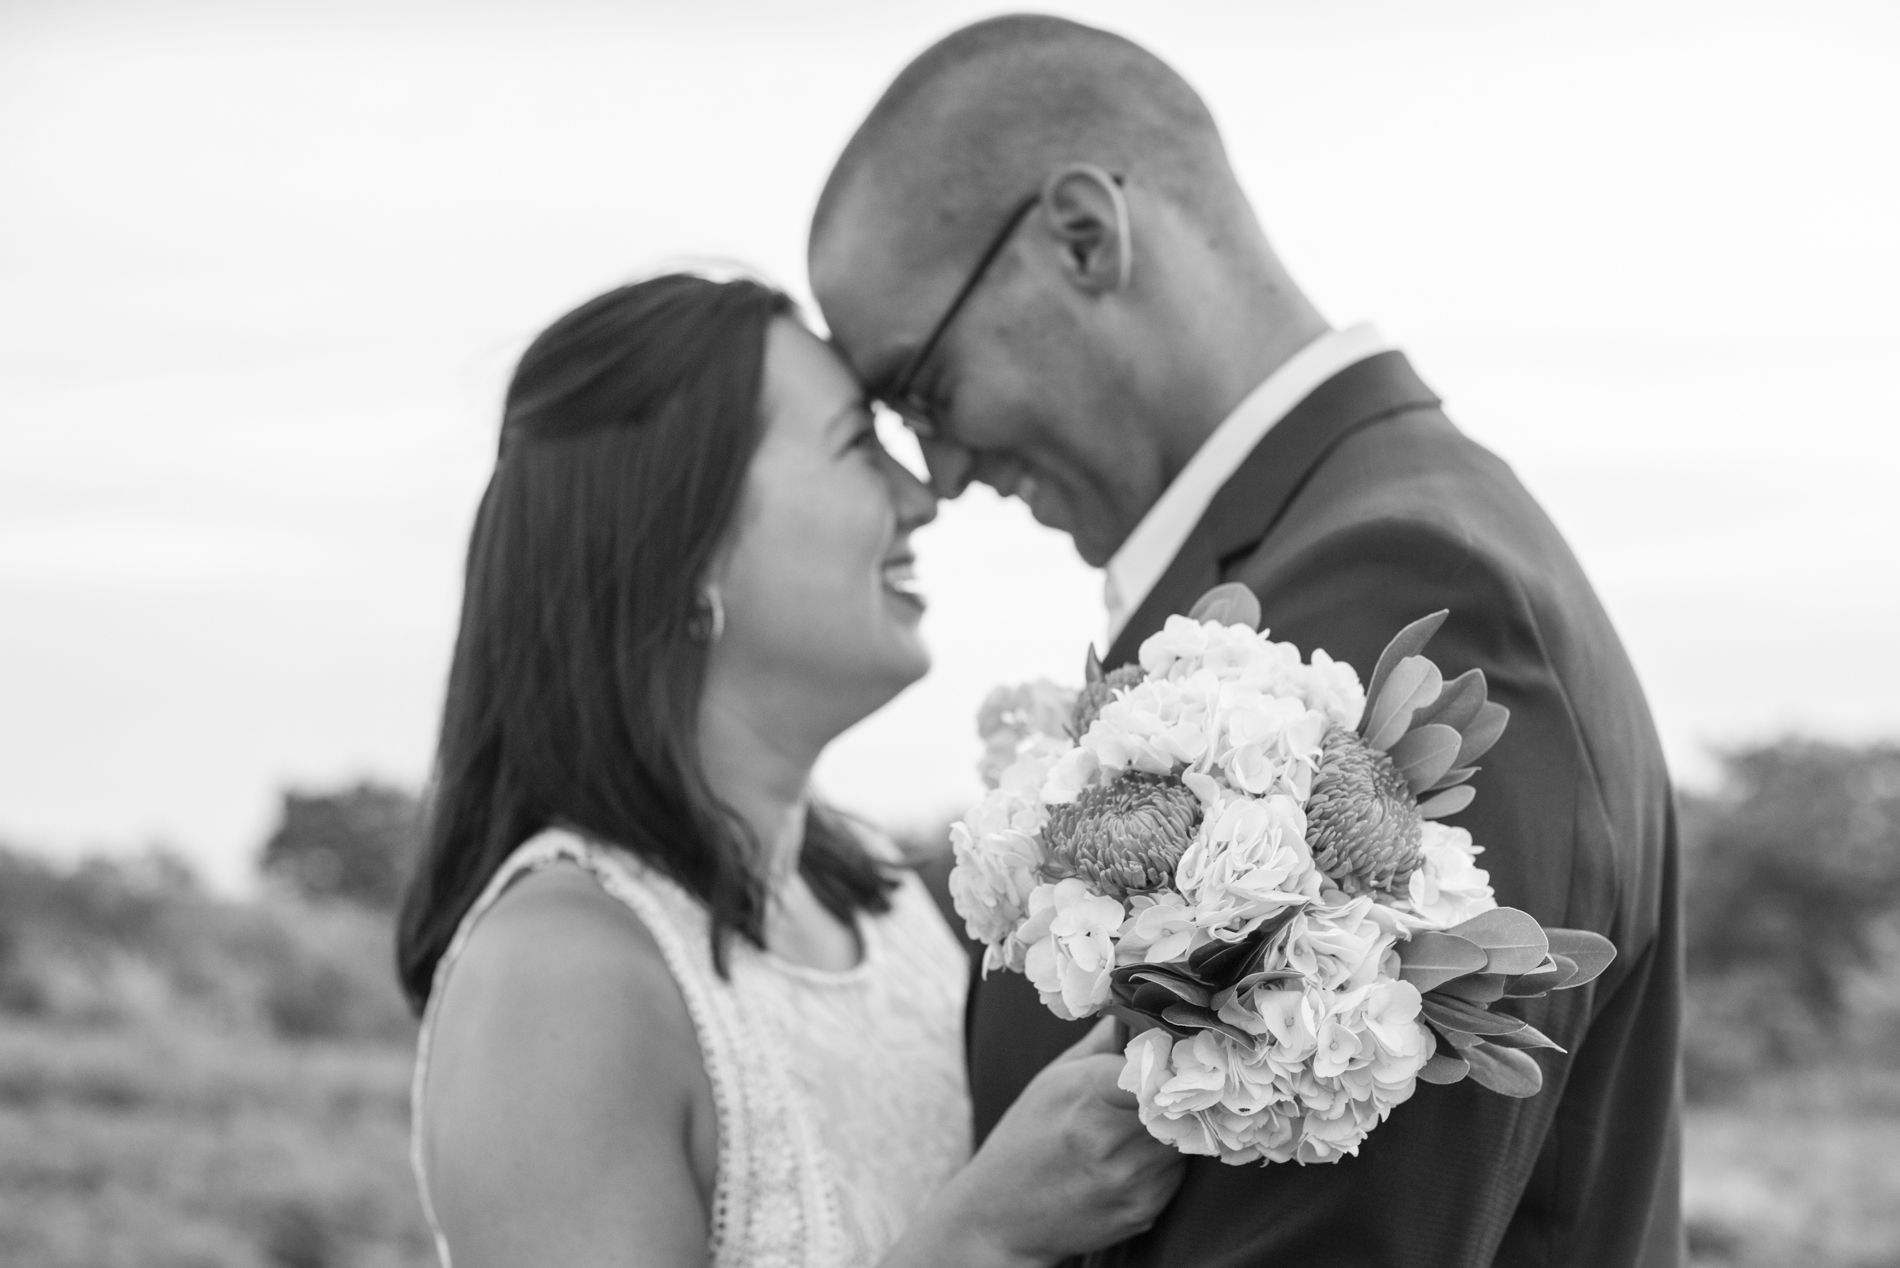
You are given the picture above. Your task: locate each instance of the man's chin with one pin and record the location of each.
(1094, 552)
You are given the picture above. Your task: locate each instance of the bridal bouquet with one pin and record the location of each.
(1242, 855)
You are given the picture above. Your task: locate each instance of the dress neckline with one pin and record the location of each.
(865, 933)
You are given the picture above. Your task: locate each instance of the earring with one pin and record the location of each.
(709, 617)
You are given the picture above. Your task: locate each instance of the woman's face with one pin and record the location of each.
(817, 580)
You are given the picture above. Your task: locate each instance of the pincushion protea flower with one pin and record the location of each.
(1123, 837)
(1363, 824)
(1418, 737)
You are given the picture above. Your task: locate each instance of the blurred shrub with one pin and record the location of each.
(113, 941)
(357, 843)
(173, 1145)
(1792, 894)
(328, 974)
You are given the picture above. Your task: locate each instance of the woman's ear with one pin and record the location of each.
(1088, 213)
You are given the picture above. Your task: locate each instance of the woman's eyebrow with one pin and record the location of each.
(886, 366)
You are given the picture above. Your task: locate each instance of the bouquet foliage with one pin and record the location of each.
(1243, 855)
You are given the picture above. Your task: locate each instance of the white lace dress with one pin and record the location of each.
(841, 1099)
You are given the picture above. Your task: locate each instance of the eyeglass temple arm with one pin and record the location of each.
(915, 363)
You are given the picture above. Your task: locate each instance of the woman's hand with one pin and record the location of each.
(1069, 1169)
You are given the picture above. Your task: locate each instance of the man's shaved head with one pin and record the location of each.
(982, 117)
(1128, 306)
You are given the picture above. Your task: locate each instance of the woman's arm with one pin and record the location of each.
(568, 1117)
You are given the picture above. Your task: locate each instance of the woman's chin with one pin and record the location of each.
(909, 659)
(884, 672)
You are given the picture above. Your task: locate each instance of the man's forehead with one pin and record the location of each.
(879, 289)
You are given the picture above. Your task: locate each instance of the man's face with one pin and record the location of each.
(1031, 388)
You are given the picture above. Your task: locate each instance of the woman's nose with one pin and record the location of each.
(916, 503)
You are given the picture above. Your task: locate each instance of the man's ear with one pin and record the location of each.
(1088, 213)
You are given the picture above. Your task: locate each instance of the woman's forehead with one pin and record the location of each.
(807, 382)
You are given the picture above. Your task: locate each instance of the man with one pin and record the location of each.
(1034, 247)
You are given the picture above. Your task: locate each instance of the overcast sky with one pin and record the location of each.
(264, 271)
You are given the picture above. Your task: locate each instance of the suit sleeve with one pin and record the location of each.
(1436, 1185)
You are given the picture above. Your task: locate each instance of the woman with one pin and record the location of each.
(675, 1013)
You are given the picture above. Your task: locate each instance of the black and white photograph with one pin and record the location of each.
(913, 635)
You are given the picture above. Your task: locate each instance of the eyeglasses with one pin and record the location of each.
(899, 396)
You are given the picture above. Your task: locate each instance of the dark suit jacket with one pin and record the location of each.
(1361, 511)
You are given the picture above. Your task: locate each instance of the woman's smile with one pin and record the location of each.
(898, 576)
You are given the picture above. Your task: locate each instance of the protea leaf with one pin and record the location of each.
(1220, 964)
(1458, 1039)
(1476, 988)
(1483, 732)
(1180, 988)
(1458, 703)
(1513, 941)
(1454, 1015)
(1230, 604)
(1444, 1068)
(1504, 1070)
(1126, 974)
(1447, 803)
(1430, 959)
(1452, 778)
(1146, 992)
(1413, 683)
(1526, 1036)
(1092, 667)
(1189, 1018)
(1261, 977)
(1409, 641)
(1423, 754)
(1143, 997)
(1591, 952)
(1541, 980)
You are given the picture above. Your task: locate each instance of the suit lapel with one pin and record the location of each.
(1251, 502)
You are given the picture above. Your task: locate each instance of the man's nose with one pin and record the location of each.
(950, 466)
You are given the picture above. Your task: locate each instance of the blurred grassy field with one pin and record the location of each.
(154, 1146)
(189, 1082)
(1801, 1171)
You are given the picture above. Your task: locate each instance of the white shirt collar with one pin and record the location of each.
(1138, 565)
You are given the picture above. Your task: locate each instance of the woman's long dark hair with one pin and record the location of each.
(574, 694)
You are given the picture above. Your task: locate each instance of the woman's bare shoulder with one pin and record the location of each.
(558, 921)
(559, 961)
(563, 1068)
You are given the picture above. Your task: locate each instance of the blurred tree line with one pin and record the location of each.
(1792, 883)
(356, 844)
(141, 940)
(1793, 910)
